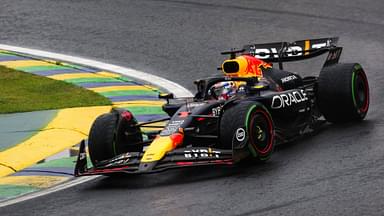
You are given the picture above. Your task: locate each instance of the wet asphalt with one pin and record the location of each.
(340, 171)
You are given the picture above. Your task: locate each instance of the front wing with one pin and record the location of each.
(130, 162)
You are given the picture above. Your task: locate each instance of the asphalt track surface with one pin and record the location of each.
(340, 171)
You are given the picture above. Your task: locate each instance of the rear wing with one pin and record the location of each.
(295, 51)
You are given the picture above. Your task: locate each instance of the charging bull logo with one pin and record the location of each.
(254, 66)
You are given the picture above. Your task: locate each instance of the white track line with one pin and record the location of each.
(168, 85)
(68, 184)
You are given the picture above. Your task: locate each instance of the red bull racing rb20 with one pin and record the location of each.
(239, 115)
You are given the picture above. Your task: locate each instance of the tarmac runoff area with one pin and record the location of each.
(38, 149)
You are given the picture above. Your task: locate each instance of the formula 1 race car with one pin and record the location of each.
(240, 115)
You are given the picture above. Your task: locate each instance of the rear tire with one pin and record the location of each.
(254, 120)
(343, 93)
(111, 134)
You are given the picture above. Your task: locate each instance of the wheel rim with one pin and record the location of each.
(360, 92)
(261, 132)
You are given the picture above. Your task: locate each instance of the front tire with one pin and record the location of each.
(101, 138)
(112, 134)
(252, 119)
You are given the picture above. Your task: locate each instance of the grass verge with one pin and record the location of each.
(23, 92)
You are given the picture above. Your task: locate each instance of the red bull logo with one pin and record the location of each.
(244, 66)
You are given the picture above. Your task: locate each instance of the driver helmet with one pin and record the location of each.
(225, 90)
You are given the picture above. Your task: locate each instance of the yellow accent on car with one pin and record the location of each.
(242, 66)
(306, 47)
(259, 86)
(158, 148)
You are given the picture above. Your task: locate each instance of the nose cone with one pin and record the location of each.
(158, 148)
